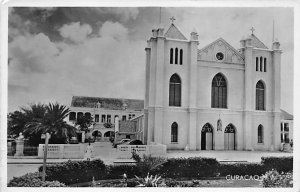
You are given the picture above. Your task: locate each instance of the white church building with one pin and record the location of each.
(213, 98)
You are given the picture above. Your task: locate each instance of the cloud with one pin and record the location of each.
(114, 30)
(55, 71)
(124, 14)
(75, 31)
(32, 53)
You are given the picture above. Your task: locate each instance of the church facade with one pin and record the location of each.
(214, 98)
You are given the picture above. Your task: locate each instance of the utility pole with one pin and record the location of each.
(47, 137)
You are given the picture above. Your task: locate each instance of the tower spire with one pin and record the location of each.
(273, 31)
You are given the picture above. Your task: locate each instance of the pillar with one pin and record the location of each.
(19, 147)
(192, 111)
(249, 94)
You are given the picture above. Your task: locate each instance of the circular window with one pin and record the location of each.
(220, 56)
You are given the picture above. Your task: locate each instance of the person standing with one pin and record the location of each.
(88, 152)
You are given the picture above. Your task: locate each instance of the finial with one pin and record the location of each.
(172, 19)
(252, 29)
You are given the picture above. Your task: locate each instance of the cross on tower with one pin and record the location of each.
(252, 29)
(172, 19)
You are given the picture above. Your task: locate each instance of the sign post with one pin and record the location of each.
(47, 137)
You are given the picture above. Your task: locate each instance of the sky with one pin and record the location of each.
(56, 53)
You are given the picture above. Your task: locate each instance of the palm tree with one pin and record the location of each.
(53, 123)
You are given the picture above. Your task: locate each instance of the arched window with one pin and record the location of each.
(87, 115)
(261, 63)
(176, 56)
(181, 56)
(260, 137)
(265, 64)
(175, 91)
(219, 92)
(174, 132)
(171, 56)
(257, 64)
(260, 96)
(72, 116)
(79, 115)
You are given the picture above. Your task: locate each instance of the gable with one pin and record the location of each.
(257, 43)
(174, 33)
(231, 55)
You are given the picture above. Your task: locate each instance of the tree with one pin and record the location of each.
(84, 122)
(39, 119)
(53, 123)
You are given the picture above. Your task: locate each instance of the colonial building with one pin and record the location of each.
(213, 98)
(104, 112)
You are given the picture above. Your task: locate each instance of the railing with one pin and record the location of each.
(62, 151)
(125, 151)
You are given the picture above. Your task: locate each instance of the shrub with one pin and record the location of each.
(241, 169)
(281, 164)
(195, 167)
(147, 163)
(274, 179)
(117, 171)
(149, 181)
(33, 180)
(71, 172)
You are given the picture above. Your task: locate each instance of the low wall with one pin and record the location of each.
(125, 151)
(62, 151)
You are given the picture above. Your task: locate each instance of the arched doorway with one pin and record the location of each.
(229, 137)
(207, 137)
(97, 135)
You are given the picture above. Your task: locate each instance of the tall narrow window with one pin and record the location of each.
(265, 64)
(97, 118)
(260, 134)
(174, 132)
(261, 63)
(260, 96)
(176, 56)
(79, 115)
(257, 64)
(103, 119)
(72, 116)
(124, 118)
(181, 57)
(171, 56)
(109, 118)
(219, 92)
(175, 91)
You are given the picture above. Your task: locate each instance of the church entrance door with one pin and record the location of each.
(207, 137)
(229, 137)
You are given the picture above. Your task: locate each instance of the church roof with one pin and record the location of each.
(285, 115)
(174, 33)
(257, 43)
(107, 103)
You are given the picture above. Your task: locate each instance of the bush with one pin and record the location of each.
(281, 164)
(71, 172)
(241, 169)
(195, 167)
(117, 171)
(33, 180)
(274, 179)
(147, 163)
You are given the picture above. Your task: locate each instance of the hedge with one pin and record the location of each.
(281, 164)
(195, 167)
(33, 180)
(241, 169)
(117, 171)
(71, 172)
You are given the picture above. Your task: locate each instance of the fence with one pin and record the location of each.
(62, 151)
(125, 151)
